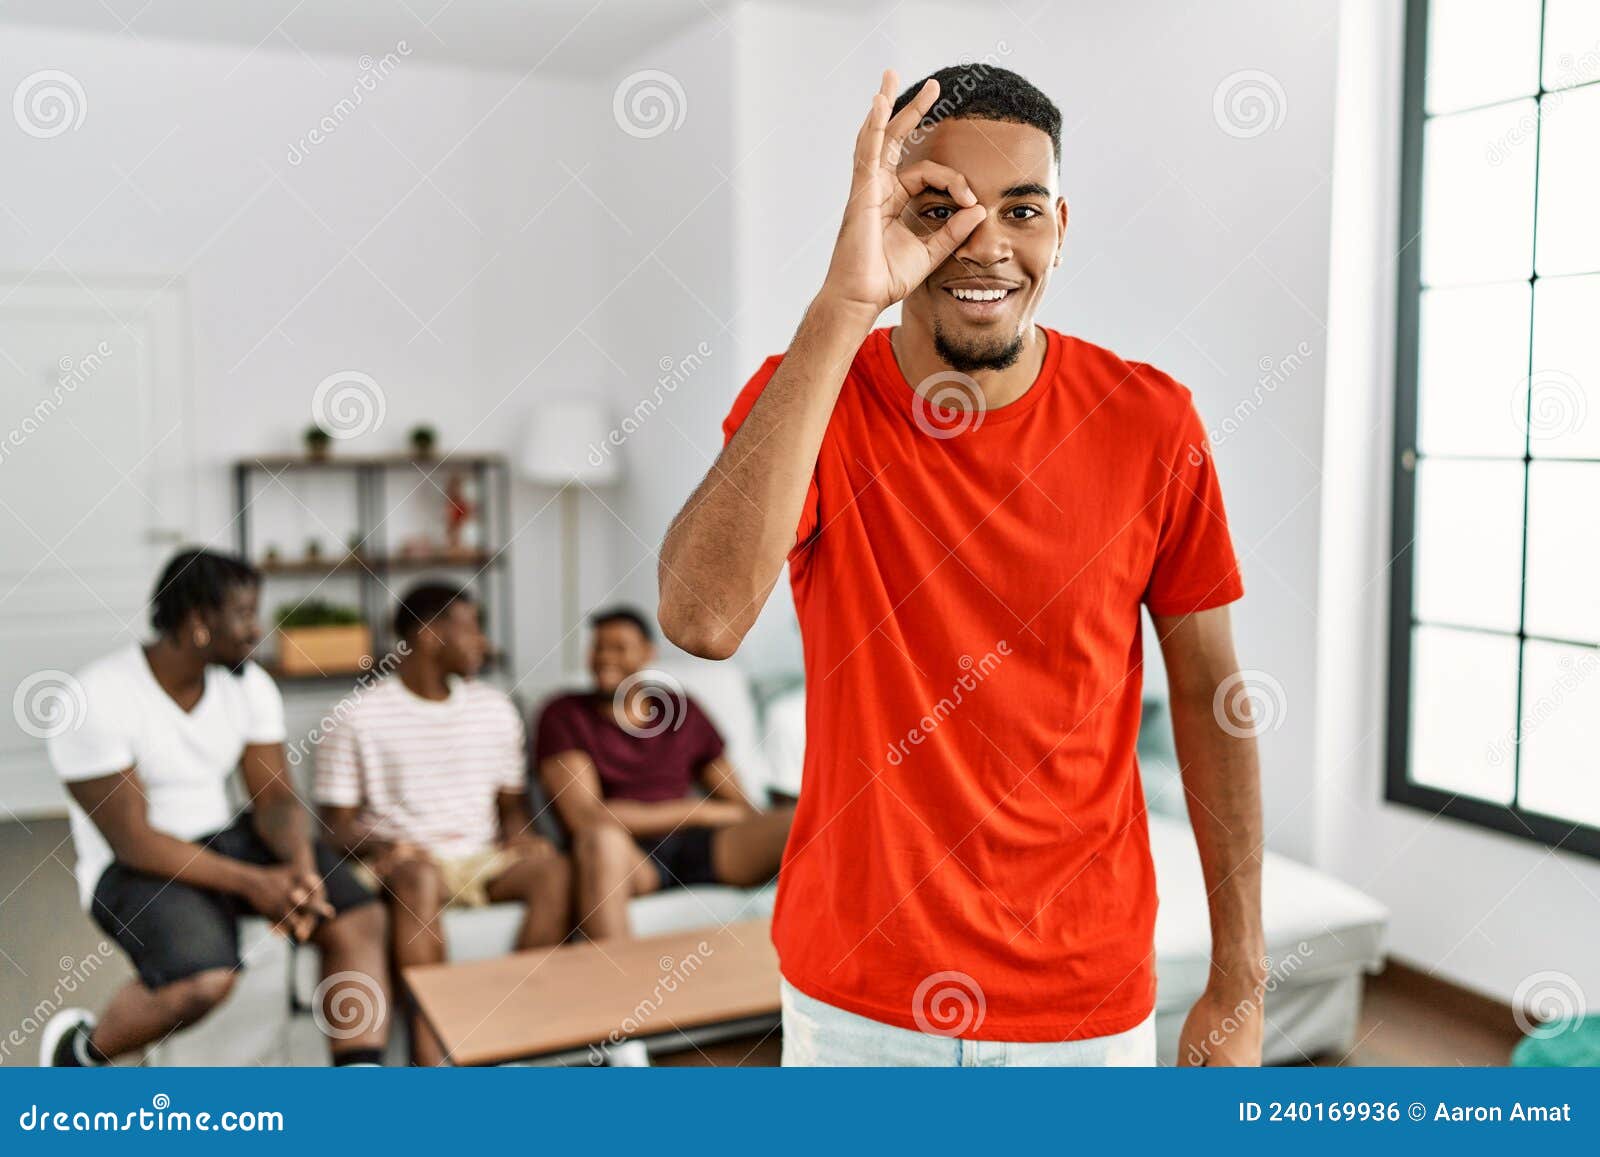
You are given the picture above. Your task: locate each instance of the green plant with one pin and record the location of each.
(423, 439)
(316, 438)
(317, 613)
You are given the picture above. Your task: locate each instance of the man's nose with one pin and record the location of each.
(985, 245)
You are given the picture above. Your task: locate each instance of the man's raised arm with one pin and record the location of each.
(725, 549)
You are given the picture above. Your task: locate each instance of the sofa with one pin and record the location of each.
(1322, 935)
(267, 1018)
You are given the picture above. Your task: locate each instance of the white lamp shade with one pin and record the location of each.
(571, 440)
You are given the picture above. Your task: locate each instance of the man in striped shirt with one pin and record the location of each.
(424, 782)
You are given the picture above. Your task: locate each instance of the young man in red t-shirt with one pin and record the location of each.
(983, 505)
(637, 773)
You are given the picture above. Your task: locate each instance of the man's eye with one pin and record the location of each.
(938, 212)
(1023, 212)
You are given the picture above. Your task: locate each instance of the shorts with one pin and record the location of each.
(683, 857)
(466, 878)
(172, 930)
(819, 1035)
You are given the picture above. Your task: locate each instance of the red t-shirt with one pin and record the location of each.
(969, 607)
(661, 764)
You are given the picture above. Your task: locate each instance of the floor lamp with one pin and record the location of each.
(569, 445)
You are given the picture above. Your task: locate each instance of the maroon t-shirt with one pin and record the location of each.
(648, 768)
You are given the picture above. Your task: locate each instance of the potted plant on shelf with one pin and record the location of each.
(317, 442)
(316, 637)
(423, 441)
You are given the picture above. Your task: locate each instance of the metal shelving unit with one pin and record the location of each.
(485, 571)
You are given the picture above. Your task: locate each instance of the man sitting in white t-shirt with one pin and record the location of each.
(165, 865)
(425, 780)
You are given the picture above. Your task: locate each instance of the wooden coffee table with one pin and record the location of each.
(554, 1000)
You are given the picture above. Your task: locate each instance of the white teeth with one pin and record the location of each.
(978, 294)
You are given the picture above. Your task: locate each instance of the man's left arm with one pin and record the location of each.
(721, 781)
(280, 820)
(1222, 787)
(516, 819)
(512, 805)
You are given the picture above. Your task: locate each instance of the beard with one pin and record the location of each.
(970, 356)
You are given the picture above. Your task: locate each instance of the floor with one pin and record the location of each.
(52, 956)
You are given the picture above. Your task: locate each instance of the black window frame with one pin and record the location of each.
(1512, 819)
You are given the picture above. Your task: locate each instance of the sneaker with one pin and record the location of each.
(628, 1054)
(66, 1038)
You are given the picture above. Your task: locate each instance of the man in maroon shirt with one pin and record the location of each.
(622, 762)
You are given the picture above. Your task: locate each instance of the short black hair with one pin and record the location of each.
(985, 92)
(623, 614)
(196, 580)
(423, 603)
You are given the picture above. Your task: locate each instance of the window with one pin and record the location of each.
(1495, 676)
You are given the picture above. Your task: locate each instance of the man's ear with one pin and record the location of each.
(196, 629)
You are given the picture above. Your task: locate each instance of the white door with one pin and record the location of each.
(96, 488)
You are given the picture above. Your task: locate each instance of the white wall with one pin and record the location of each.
(433, 241)
(1477, 907)
(664, 312)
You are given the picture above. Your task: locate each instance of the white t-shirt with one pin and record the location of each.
(183, 758)
(425, 771)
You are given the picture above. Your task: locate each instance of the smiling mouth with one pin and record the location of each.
(980, 295)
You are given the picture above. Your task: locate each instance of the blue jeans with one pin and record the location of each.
(818, 1034)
